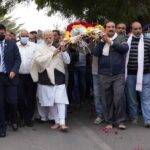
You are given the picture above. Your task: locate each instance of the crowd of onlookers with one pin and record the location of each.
(40, 75)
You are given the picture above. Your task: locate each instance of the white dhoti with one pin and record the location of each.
(52, 102)
(58, 111)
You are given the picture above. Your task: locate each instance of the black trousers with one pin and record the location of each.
(70, 86)
(112, 92)
(26, 97)
(89, 82)
(8, 92)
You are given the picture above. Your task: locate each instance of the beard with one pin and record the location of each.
(48, 42)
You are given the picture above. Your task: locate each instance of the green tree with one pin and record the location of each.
(10, 24)
(98, 10)
(6, 5)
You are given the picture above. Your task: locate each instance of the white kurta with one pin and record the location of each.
(48, 95)
(45, 59)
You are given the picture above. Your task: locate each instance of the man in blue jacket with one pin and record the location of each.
(9, 65)
(111, 51)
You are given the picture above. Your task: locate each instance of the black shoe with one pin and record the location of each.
(14, 126)
(21, 123)
(3, 134)
(52, 122)
(29, 123)
(147, 125)
(41, 122)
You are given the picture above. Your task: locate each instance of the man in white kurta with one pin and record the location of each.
(48, 70)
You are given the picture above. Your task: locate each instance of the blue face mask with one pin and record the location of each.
(24, 40)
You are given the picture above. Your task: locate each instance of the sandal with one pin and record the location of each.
(64, 128)
(55, 126)
(109, 127)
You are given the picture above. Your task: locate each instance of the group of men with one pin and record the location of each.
(123, 70)
(33, 75)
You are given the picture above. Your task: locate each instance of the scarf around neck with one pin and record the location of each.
(140, 61)
(106, 47)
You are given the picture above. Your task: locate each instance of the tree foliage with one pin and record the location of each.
(10, 24)
(96, 10)
(92, 10)
(7, 5)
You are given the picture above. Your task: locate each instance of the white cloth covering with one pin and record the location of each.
(107, 46)
(45, 59)
(44, 112)
(48, 95)
(140, 69)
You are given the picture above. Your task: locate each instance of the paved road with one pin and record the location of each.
(83, 135)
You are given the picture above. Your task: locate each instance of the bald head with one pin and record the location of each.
(136, 28)
(24, 37)
(24, 33)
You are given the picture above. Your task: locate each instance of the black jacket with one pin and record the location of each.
(114, 63)
(12, 59)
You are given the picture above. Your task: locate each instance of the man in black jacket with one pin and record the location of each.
(9, 65)
(111, 51)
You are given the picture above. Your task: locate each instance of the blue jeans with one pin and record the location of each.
(79, 84)
(132, 104)
(144, 96)
(99, 107)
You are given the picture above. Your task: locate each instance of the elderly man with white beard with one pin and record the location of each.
(48, 70)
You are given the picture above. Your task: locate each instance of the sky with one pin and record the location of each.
(34, 19)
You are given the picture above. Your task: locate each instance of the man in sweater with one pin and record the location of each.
(111, 51)
(138, 71)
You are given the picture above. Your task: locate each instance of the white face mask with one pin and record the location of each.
(24, 40)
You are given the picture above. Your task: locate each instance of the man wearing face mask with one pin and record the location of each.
(26, 87)
(9, 66)
(138, 73)
(111, 51)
